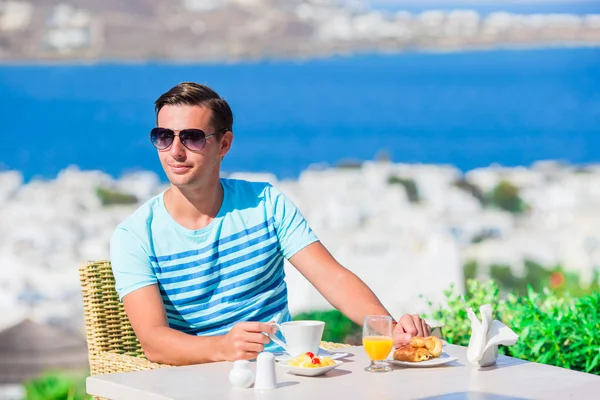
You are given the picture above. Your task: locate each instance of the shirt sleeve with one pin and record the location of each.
(293, 231)
(130, 263)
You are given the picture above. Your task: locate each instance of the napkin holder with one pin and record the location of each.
(486, 336)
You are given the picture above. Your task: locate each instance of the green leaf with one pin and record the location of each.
(550, 325)
(536, 348)
(593, 363)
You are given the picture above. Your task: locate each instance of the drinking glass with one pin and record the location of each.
(377, 341)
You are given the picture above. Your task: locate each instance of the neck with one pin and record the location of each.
(194, 207)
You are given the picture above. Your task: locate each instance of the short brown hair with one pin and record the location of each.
(194, 94)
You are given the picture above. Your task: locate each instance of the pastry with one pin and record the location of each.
(419, 349)
(412, 354)
(431, 343)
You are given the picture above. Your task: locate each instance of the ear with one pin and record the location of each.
(226, 142)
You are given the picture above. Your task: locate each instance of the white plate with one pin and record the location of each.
(309, 371)
(284, 357)
(443, 359)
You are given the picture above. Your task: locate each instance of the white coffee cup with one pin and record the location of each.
(300, 336)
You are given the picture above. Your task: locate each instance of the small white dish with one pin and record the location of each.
(309, 371)
(443, 359)
(284, 357)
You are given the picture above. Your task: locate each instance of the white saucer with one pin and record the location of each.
(443, 359)
(309, 371)
(282, 357)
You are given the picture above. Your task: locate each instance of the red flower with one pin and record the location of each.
(557, 279)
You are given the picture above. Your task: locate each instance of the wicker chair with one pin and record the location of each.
(112, 344)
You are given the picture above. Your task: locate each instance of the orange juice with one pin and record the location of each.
(377, 347)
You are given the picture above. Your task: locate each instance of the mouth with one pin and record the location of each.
(179, 168)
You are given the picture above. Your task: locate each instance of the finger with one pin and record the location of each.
(426, 328)
(260, 338)
(418, 325)
(244, 355)
(408, 325)
(250, 355)
(271, 328)
(401, 339)
(253, 347)
(257, 327)
(423, 327)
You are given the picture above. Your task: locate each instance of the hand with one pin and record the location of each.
(409, 326)
(245, 340)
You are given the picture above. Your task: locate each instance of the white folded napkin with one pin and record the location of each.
(486, 336)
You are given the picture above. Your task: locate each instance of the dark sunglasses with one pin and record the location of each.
(192, 139)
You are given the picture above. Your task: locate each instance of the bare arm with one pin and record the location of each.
(344, 290)
(348, 293)
(165, 345)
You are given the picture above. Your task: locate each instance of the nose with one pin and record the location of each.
(177, 148)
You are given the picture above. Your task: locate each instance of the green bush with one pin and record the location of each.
(554, 329)
(472, 189)
(503, 276)
(110, 197)
(412, 191)
(538, 277)
(470, 270)
(560, 331)
(506, 197)
(457, 327)
(338, 327)
(57, 386)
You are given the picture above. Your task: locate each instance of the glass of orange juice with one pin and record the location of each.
(377, 341)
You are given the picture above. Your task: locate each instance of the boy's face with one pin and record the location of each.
(184, 167)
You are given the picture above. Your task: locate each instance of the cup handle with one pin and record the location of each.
(276, 339)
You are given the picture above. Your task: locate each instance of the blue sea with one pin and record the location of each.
(486, 7)
(511, 107)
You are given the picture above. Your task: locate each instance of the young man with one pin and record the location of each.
(199, 267)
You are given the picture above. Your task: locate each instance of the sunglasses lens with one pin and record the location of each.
(161, 138)
(193, 139)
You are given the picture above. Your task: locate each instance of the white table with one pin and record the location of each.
(509, 379)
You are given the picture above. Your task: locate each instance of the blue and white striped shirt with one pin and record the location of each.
(212, 278)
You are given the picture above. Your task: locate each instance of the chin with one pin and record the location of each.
(180, 181)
